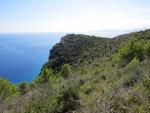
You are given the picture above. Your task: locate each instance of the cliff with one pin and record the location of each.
(80, 50)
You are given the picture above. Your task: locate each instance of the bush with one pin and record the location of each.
(69, 99)
(147, 48)
(44, 76)
(65, 71)
(127, 103)
(133, 73)
(146, 84)
(135, 49)
(98, 70)
(86, 88)
(23, 87)
(133, 64)
(83, 71)
(6, 88)
(63, 101)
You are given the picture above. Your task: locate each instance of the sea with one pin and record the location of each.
(23, 54)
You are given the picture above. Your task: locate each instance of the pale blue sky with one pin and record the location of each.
(73, 15)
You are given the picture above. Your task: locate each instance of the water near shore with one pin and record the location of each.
(22, 55)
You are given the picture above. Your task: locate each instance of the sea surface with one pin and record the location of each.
(22, 55)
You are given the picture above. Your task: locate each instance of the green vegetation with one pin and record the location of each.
(135, 49)
(65, 71)
(87, 74)
(6, 89)
(44, 75)
(62, 101)
(23, 87)
(79, 50)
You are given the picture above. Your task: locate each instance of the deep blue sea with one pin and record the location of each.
(22, 55)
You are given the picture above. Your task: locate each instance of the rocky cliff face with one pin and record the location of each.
(79, 50)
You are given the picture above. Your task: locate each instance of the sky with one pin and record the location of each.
(73, 15)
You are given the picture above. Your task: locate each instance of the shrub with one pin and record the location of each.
(132, 64)
(86, 88)
(97, 71)
(23, 87)
(135, 49)
(44, 76)
(147, 48)
(65, 71)
(133, 73)
(146, 83)
(6, 88)
(126, 103)
(63, 101)
(83, 71)
(69, 99)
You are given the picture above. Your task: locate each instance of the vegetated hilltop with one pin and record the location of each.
(79, 50)
(87, 74)
(83, 49)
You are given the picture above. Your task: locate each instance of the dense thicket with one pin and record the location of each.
(79, 50)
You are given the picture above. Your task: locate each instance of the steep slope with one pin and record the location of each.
(78, 50)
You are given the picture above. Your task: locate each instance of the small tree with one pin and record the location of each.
(6, 88)
(44, 75)
(135, 49)
(146, 84)
(23, 87)
(65, 71)
(147, 48)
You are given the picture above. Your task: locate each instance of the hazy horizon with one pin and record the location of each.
(75, 16)
(101, 33)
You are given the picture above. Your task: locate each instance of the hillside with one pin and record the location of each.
(83, 49)
(87, 74)
(80, 50)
